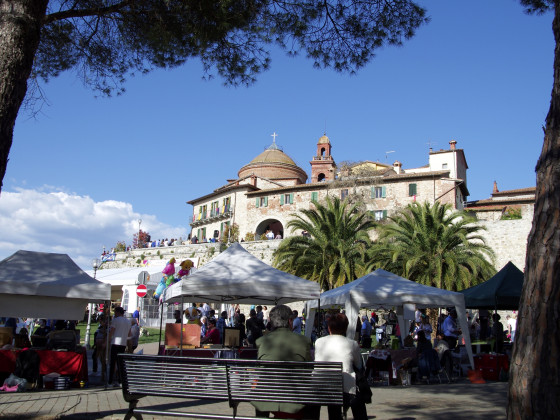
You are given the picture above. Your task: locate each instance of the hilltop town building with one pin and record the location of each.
(270, 188)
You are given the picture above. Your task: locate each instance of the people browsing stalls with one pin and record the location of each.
(450, 330)
(118, 332)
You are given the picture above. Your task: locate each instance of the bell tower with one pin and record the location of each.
(323, 165)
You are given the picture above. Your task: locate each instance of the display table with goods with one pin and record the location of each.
(387, 360)
(72, 364)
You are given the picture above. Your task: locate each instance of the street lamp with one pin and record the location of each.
(138, 239)
(95, 263)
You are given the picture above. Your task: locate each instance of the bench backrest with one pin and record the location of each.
(236, 380)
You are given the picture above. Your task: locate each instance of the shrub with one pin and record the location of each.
(511, 213)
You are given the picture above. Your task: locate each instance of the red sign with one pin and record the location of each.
(141, 290)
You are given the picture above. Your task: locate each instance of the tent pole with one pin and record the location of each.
(107, 314)
(160, 323)
(182, 305)
(319, 320)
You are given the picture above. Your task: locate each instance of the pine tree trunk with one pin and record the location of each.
(20, 28)
(534, 388)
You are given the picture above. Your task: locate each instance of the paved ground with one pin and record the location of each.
(457, 401)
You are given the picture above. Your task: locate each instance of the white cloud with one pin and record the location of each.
(54, 221)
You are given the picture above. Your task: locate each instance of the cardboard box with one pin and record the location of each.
(191, 335)
(6, 336)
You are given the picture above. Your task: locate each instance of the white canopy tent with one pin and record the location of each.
(127, 279)
(382, 288)
(125, 276)
(47, 285)
(236, 276)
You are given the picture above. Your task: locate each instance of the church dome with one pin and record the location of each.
(273, 163)
(324, 140)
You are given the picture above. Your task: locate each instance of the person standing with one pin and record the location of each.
(136, 315)
(498, 333)
(265, 315)
(450, 330)
(511, 325)
(132, 342)
(335, 347)
(178, 316)
(296, 322)
(366, 332)
(255, 327)
(118, 332)
(221, 325)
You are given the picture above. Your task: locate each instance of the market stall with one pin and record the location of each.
(501, 291)
(382, 288)
(52, 286)
(236, 276)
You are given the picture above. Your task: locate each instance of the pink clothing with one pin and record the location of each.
(214, 336)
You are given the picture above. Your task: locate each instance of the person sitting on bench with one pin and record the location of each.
(282, 344)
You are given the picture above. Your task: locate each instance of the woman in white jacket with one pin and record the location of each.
(337, 348)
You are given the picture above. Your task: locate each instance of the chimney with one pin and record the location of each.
(397, 167)
(452, 144)
(495, 190)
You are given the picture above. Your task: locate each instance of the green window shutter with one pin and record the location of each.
(411, 190)
(292, 198)
(384, 214)
(281, 199)
(266, 201)
(314, 196)
(383, 191)
(258, 202)
(372, 194)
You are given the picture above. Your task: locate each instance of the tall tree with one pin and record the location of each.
(534, 384)
(105, 40)
(433, 245)
(333, 250)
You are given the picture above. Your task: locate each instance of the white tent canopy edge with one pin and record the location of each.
(382, 288)
(236, 276)
(46, 285)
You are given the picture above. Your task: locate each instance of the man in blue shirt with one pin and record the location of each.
(296, 323)
(450, 330)
(366, 332)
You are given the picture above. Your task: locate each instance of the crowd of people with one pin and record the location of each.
(277, 334)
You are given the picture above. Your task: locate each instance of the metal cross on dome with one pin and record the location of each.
(274, 135)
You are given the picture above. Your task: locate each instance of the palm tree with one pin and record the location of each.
(433, 245)
(333, 251)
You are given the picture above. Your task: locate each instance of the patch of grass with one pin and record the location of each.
(153, 336)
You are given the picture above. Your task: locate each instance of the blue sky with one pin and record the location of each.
(85, 169)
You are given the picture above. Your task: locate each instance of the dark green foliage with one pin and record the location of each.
(120, 246)
(333, 253)
(538, 6)
(435, 246)
(106, 40)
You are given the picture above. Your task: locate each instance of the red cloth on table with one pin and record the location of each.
(67, 363)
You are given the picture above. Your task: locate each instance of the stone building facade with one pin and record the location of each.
(507, 217)
(271, 188)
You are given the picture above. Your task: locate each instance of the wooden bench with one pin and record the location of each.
(231, 380)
